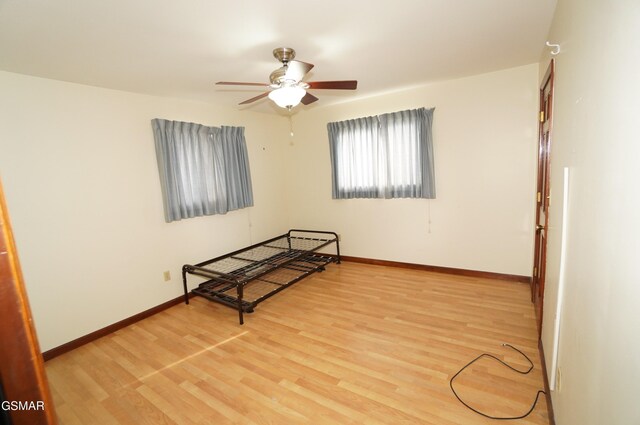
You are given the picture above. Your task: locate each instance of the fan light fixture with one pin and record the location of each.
(287, 87)
(287, 97)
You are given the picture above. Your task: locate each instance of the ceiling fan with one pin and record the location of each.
(287, 88)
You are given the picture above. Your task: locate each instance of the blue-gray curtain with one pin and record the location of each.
(203, 170)
(354, 146)
(387, 156)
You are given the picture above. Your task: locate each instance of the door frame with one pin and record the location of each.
(22, 374)
(545, 118)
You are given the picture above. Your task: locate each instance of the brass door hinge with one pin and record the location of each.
(535, 272)
(539, 196)
(541, 116)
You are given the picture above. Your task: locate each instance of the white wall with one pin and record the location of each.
(79, 169)
(80, 176)
(485, 138)
(596, 135)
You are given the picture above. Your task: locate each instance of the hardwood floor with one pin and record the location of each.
(356, 344)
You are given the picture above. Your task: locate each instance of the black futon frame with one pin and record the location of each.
(244, 278)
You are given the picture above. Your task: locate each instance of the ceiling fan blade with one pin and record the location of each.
(253, 99)
(296, 70)
(308, 98)
(335, 85)
(233, 83)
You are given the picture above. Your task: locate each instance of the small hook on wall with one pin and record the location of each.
(556, 48)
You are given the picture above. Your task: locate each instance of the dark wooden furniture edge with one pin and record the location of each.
(440, 269)
(23, 378)
(72, 345)
(547, 390)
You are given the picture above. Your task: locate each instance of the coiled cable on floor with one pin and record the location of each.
(522, 372)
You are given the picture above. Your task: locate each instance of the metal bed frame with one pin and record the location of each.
(244, 278)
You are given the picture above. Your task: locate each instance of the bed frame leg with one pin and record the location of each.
(240, 293)
(184, 285)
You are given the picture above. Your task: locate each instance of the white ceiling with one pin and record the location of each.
(180, 48)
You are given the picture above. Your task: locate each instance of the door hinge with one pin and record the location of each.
(541, 116)
(539, 196)
(535, 272)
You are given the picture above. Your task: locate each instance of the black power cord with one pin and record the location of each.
(522, 372)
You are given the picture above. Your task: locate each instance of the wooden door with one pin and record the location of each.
(542, 193)
(24, 391)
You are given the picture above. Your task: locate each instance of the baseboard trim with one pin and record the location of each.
(440, 269)
(72, 345)
(547, 390)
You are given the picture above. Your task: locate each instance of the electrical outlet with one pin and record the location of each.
(167, 276)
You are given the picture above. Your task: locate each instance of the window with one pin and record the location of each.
(203, 170)
(388, 156)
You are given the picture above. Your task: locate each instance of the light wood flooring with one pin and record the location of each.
(356, 344)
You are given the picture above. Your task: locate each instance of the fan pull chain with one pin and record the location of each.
(290, 128)
(429, 216)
